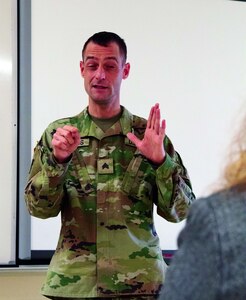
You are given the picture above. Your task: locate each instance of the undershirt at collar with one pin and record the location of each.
(105, 124)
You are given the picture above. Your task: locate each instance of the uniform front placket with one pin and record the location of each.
(104, 168)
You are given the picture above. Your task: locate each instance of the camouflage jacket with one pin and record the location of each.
(108, 245)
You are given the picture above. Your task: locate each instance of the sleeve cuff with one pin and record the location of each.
(166, 169)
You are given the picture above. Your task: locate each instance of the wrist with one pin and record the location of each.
(61, 160)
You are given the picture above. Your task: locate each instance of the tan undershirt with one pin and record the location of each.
(105, 124)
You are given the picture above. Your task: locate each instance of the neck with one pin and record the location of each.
(104, 111)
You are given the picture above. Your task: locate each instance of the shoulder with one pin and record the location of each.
(72, 120)
(138, 125)
(132, 122)
(211, 202)
(219, 213)
(203, 210)
(224, 204)
(49, 131)
(137, 121)
(200, 222)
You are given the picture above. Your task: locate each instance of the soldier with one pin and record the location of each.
(103, 170)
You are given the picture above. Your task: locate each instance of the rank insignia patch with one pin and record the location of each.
(105, 166)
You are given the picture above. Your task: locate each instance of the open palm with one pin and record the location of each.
(151, 146)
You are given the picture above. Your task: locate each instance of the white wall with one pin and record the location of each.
(8, 104)
(187, 55)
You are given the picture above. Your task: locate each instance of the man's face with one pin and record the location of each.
(103, 69)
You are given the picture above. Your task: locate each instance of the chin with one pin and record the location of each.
(101, 101)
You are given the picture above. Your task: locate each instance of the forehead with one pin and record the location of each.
(101, 53)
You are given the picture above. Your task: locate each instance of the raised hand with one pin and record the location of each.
(151, 146)
(65, 141)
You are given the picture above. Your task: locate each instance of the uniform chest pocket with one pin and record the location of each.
(80, 175)
(139, 179)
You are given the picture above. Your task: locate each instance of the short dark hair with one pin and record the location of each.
(104, 38)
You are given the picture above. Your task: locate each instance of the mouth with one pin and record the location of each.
(99, 87)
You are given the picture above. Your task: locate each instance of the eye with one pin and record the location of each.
(110, 67)
(92, 66)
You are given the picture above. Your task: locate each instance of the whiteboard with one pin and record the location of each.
(187, 55)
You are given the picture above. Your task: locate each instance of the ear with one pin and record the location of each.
(126, 70)
(81, 64)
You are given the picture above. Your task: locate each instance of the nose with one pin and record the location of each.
(100, 73)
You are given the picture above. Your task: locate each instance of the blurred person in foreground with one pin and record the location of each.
(211, 257)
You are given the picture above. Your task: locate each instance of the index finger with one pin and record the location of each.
(152, 116)
(71, 128)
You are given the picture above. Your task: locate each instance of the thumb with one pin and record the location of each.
(132, 137)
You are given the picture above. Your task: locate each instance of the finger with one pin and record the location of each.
(153, 121)
(71, 129)
(65, 133)
(162, 131)
(163, 124)
(59, 138)
(75, 135)
(76, 140)
(157, 121)
(58, 143)
(149, 122)
(133, 139)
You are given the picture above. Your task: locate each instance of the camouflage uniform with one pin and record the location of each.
(108, 246)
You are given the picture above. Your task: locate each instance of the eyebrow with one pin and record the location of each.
(106, 58)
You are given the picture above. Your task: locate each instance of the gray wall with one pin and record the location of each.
(8, 125)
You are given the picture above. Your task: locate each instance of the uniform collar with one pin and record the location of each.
(87, 127)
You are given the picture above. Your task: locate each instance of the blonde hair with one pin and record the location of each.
(235, 170)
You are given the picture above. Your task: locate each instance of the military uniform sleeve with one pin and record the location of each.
(44, 189)
(174, 188)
